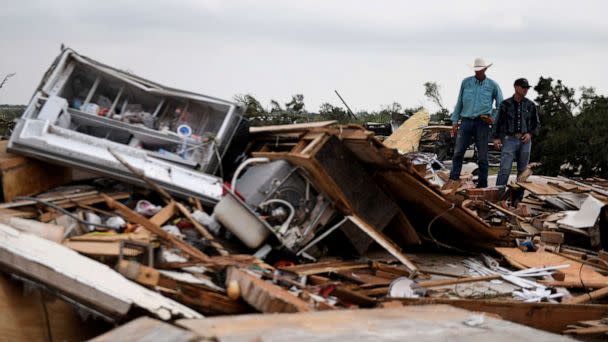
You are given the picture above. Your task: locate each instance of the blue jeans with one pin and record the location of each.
(512, 149)
(469, 129)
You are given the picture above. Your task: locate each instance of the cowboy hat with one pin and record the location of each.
(480, 64)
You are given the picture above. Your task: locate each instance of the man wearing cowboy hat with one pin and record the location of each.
(517, 122)
(475, 113)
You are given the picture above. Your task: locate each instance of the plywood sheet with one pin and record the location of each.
(407, 137)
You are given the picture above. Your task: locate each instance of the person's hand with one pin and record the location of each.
(487, 119)
(497, 144)
(454, 130)
(526, 138)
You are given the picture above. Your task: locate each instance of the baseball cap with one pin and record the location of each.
(522, 82)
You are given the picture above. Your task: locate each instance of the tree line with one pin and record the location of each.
(573, 139)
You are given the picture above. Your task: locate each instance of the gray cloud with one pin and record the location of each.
(275, 48)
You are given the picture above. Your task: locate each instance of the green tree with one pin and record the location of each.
(432, 92)
(573, 139)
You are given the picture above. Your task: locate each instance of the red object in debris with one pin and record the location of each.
(283, 263)
(184, 224)
(326, 290)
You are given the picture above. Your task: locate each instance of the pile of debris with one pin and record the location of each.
(145, 201)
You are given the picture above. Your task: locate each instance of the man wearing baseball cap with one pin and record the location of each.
(516, 124)
(472, 118)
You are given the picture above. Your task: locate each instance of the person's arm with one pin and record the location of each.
(497, 96)
(458, 108)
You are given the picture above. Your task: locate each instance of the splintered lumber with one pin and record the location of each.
(49, 199)
(164, 214)
(385, 242)
(325, 267)
(101, 248)
(264, 296)
(132, 216)
(407, 137)
(169, 199)
(597, 294)
(446, 282)
(201, 229)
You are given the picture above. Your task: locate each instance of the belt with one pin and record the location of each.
(515, 135)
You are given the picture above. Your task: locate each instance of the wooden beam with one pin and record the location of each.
(265, 296)
(290, 128)
(164, 215)
(325, 267)
(132, 216)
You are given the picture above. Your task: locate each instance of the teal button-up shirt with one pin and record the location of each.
(476, 98)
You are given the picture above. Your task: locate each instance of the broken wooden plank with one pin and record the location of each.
(101, 248)
(385, 242)
(132, 216)
(290, 128)
(164, 214)
(48, 199)
(264, 296)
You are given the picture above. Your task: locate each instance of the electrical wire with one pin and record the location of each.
(437, 242)
(56, 207)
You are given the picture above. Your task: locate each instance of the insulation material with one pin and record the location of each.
(586, 216)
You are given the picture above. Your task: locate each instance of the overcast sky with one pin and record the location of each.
(373, 52)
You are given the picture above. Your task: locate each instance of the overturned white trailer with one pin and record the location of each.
(83, 108)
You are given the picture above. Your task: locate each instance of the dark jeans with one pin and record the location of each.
(469, 129)
(512, 149)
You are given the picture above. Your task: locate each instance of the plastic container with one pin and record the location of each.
(241, 221)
